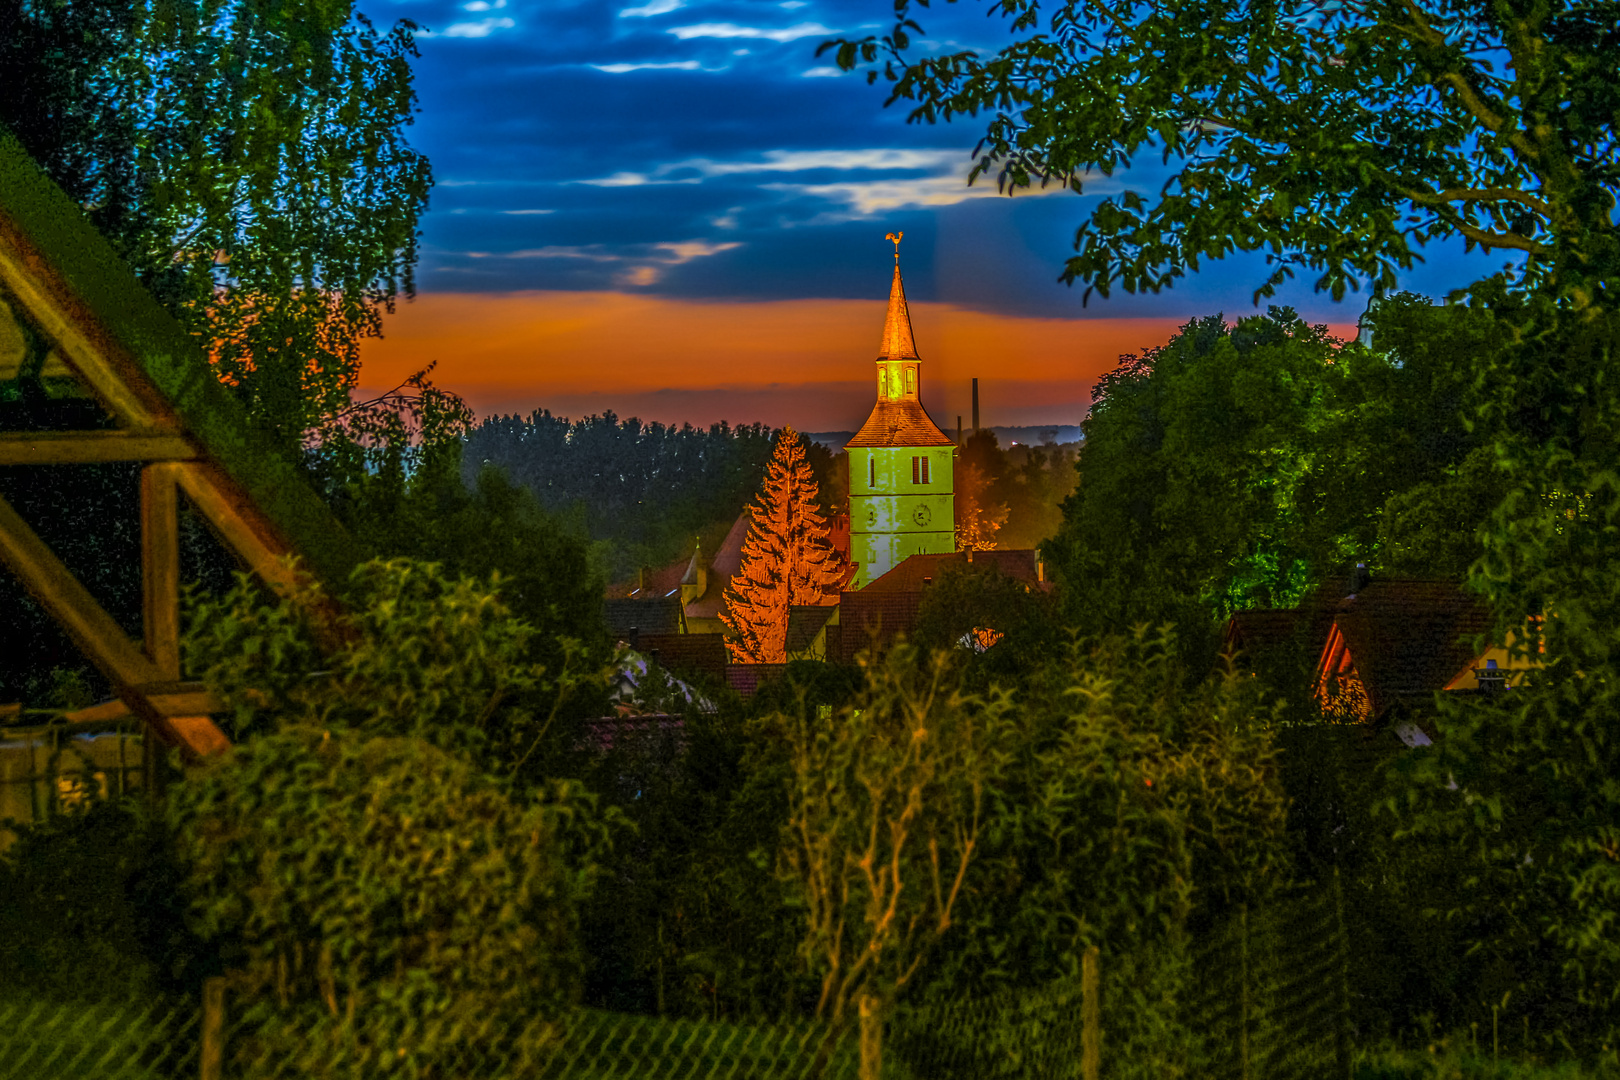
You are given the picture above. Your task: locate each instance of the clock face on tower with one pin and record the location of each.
(920, 515)
(871, 515)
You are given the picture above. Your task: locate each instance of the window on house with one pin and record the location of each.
(871, 472)
(919, 470)
(911, 380)
(883, 383)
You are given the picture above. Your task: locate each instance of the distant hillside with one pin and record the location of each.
(1005, 436)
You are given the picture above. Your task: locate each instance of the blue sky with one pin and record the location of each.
(696, 151)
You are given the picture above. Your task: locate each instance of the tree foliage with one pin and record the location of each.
(787, 560)
(645, 490)
(415, 655)
(1339, 138)
(886, 807)
(1237, 466)
(249, 161)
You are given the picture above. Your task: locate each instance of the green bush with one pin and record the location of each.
(389, 884)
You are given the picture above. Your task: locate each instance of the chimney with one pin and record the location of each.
(975, 406)
(1359, 577)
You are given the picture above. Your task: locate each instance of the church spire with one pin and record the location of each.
(897, 343)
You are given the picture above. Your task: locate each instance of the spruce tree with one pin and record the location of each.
(787, 559)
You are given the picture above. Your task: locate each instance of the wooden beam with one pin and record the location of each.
(160, 566)
(46, 302)
(95, 632)
(239, 524)
(171, 699)
(87, 447)
(137, 681)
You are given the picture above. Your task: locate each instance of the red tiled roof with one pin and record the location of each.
(913, 571)
(871, 618)
(688, 654)
(629, 619)
(746, 678)
(899, 423)
(1264, 635)
(1410, 636)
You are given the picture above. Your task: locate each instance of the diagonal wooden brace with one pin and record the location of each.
(139, 683)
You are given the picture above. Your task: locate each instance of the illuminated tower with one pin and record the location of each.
(901, 466)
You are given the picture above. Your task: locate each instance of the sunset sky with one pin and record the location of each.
(672, 209)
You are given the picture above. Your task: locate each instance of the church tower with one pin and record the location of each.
(901, 466)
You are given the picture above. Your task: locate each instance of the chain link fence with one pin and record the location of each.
(1261, 996)
(585, 1044)
(153, 1040)
(1271, 991)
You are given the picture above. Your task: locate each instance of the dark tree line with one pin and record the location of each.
(647, 489)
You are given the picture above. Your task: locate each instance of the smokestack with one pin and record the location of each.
(958, 429)
(975, 406)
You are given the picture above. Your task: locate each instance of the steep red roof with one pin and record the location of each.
(727, 561)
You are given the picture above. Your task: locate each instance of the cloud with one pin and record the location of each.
(773, 161)
(640, 275)
(820, 72)
(694, 249)
(632, 179)
(545, 211)
(732, 30)
(480, 29)
(592, 252)
(865, 198)
(623, 68)
(668, 253)
(652, 7)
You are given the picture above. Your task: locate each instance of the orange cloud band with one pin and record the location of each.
(804, 362)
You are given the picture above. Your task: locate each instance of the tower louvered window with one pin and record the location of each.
(871, 471)
(919, 470)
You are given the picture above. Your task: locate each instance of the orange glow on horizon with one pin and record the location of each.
(804, 362)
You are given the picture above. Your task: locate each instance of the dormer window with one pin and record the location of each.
(911, 380)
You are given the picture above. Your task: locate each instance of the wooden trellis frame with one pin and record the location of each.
(172, 416)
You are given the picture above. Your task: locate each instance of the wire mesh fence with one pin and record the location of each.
(585, 1044)
(152, 1040)
(1033, 1034)
(1261, 996)
(1270, 990)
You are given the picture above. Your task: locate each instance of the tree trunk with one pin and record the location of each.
(871, 1037)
